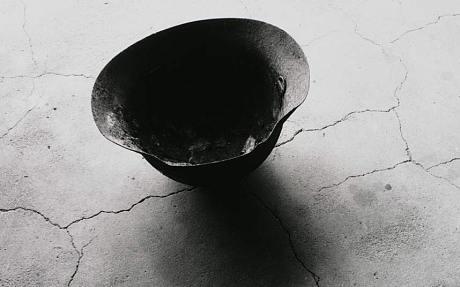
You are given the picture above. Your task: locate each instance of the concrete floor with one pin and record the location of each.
(363, 189)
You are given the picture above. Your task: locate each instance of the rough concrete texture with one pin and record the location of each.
(362, 190)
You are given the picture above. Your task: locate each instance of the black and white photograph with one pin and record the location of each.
(278, 143)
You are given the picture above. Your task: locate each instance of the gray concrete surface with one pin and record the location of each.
(362, 190)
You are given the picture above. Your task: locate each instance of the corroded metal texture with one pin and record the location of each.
(204, 96)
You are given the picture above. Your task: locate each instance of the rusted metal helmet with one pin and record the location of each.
(203, 102)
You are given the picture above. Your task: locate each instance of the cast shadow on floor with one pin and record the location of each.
(233, 239)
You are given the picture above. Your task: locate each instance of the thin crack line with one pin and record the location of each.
(427, 170)
(46, 74)
(65, 227)
(347, 116)
(80, 253)
(23, 116)
(80, 257)
(443, 163)
(288, 233)
(434, 175)
(407, 148)
(364, 174)
(32, 91)
(320, 37)
(128, 209)
(402, 82)
(411, 159)
(436, 21)
(29, 39)
(367, 39)
(65, 75)
(443, 178)
(395, 95)
(344, 118)
(46, 218)
(406, 144)
(72, 241)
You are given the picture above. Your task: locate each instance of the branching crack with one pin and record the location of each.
(367, 39)
(395, 111)
(441, 177)
(80, 252)
(427, 170)
(32, 54)
(80, 257)
(48, 220)
(347, 116)
(436, 21)
(288, 234)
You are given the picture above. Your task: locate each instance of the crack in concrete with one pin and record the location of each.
(443, 163)
(441, 177)
(80, 257)
(347, 116)
(406, 144)
(404, 139)
(275, 216)
(32, 91)
(364, 174)
(23, 116)
(436, 21)
(72, 241)
(367, 39)
(316, 39)
(288, 234)
(343, 119)
(394, 109)
(29, 39)
(66, 227)
(359, 34)
(127, 209)
(412, 160)
(47, 74)
(46, 218)
(402, 82)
